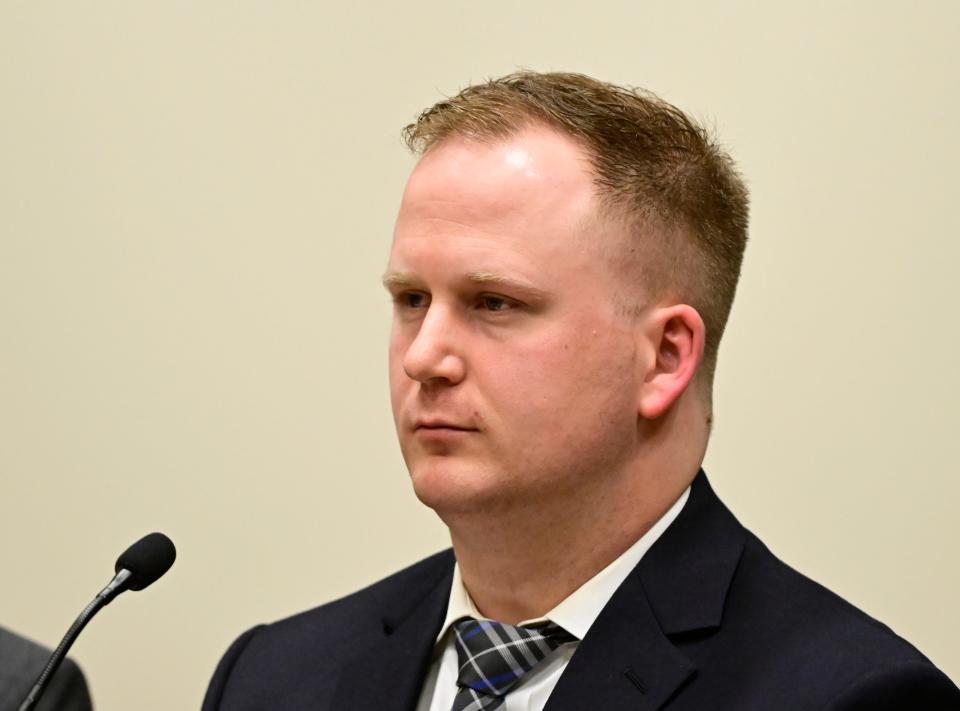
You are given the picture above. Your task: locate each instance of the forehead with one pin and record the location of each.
(533, 181)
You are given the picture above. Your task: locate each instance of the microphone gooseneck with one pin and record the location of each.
(136, 568)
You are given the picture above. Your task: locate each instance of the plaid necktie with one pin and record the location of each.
(494, 656)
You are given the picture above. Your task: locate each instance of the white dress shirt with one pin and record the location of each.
(576, 613)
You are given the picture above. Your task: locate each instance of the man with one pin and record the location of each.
(21, 662)
(564, 261)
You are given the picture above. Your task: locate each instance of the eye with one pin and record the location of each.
(491, 302)
(412, 299)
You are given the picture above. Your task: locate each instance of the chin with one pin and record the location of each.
(454, 487)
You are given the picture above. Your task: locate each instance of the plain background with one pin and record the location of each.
(196, 202)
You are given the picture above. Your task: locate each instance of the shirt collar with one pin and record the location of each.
(577, 612)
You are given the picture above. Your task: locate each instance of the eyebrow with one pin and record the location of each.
(393, 280)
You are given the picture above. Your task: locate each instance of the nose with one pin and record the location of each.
(433, 356)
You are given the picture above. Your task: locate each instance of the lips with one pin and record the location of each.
(442, 423)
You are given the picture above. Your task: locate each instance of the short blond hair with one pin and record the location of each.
(656, 168)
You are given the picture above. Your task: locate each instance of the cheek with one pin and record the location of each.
(564, 382)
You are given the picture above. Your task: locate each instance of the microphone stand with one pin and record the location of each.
(114, 588)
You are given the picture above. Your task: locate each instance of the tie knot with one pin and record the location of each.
(494, 656)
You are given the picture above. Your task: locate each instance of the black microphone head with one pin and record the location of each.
(147, 560)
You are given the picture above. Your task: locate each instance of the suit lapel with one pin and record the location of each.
(630, 658)
(388, 674)
(687, 573)
(624, 662)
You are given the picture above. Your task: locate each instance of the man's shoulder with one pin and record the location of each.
(270, 661)
(804, 612)
(356, 616)
(753, 600)
(736, 611)
(387, 597)
(812, 641)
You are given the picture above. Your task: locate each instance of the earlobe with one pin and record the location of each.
(676, 338)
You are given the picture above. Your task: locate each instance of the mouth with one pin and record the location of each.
(435, 428)
(441, 426)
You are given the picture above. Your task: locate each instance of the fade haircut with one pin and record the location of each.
(657, 172)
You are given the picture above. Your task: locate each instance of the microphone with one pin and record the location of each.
(137, 567)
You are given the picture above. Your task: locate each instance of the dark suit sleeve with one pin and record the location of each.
(903, 686)
(67, 690)
(218, 684)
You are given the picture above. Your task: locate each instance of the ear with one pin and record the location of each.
(674, 336)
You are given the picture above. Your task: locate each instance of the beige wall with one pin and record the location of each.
(196, 201)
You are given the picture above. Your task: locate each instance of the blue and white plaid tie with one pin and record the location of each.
(494, 656)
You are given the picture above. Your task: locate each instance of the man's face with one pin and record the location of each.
(513, 375)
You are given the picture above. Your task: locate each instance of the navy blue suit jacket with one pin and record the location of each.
(709, 619)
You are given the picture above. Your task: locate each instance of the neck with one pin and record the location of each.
(569, 539)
